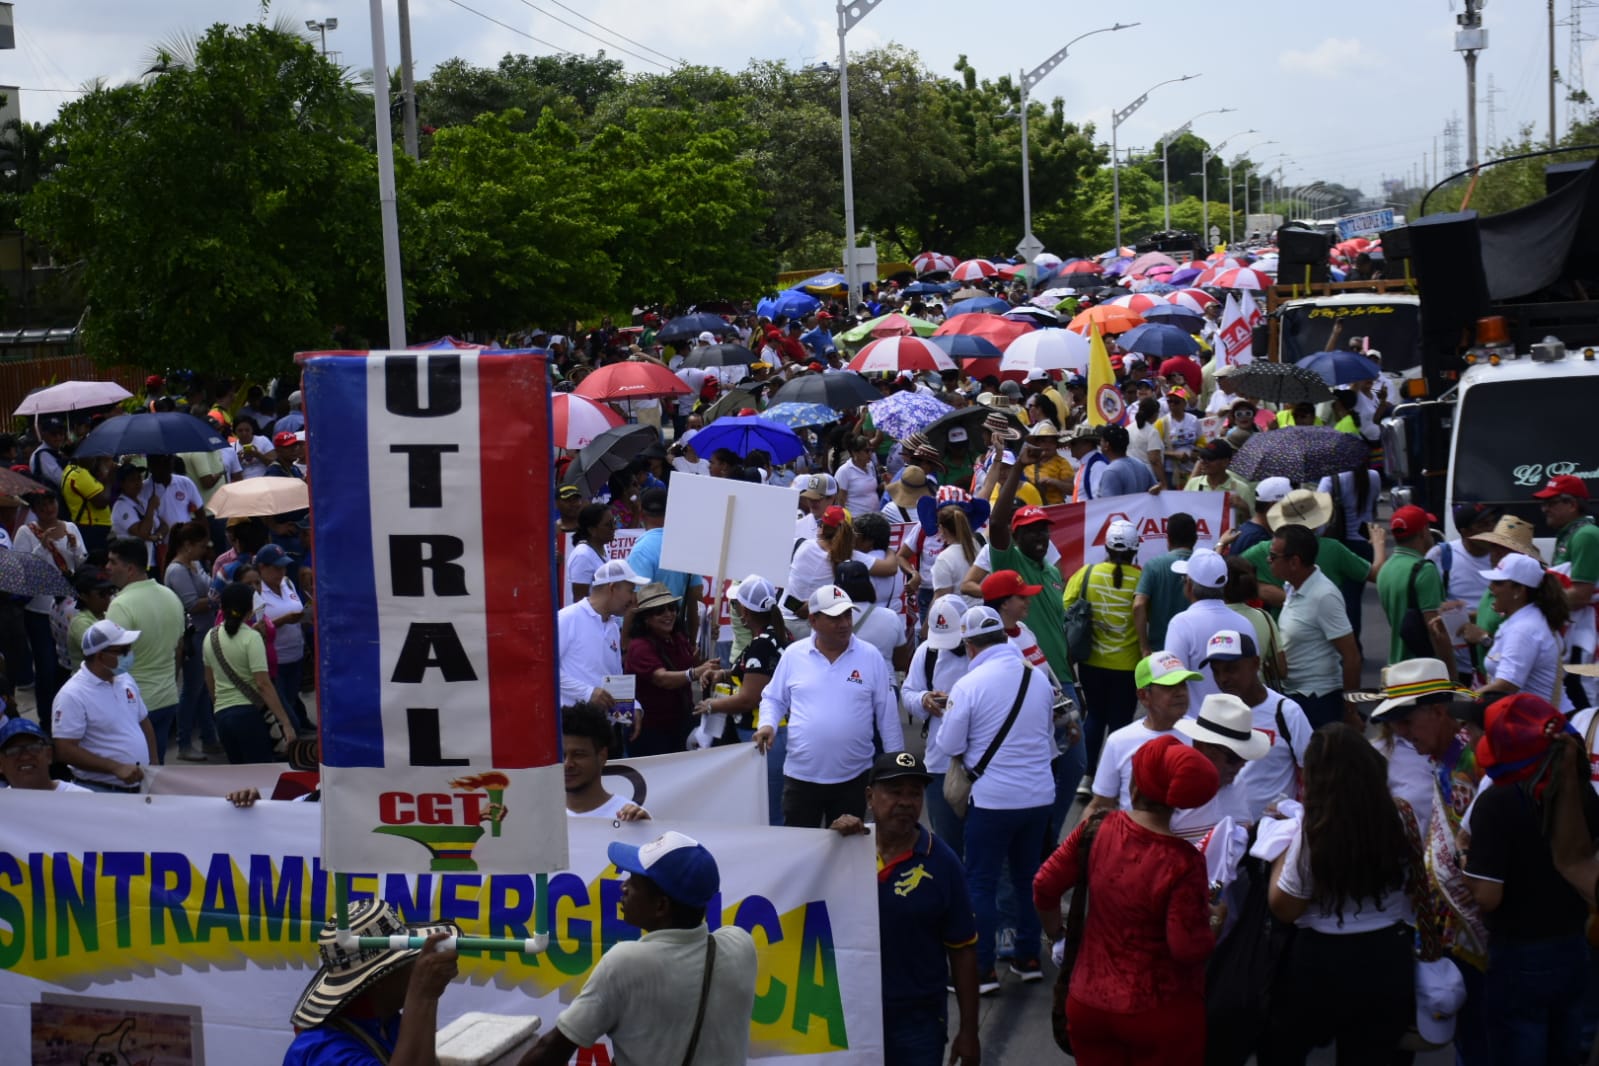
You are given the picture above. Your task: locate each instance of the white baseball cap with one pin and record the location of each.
(614, 571)
(944, 622)
(1204, 568)
(1440, 994)
(756, 593)
(106, 634)
(1522, 569)
(831, 601)
(707, 337)
(1036, 374)
(981, 620)
(1272, 489)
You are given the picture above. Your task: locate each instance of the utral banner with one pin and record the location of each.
(179, 931)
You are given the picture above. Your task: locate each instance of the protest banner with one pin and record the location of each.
(725, 784)
(188, 924)
(1078, 529)
(437, 698)
(1234, 339)
(730, 529)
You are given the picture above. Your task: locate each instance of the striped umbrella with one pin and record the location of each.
(1236, 278)
(893, 354)
(974, 270)
(1195, 300)
(1138, 301)
(933, 263)
(579, 420)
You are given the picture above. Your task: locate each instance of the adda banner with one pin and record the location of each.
(179, 931)
(1078, 529)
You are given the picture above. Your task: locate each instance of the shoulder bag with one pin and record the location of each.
(1076, 915)
(958, 779)
(1413, 624)
(705, 995)
(1079, 621)
(248, 690)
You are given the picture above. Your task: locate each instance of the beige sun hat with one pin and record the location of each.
(1302, 507)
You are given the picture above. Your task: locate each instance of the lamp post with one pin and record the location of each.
(1030, 246)
(1165, 142)
(1204, 183)
(1116, 119)
(388, 212)
(848, 15)
(1231, 220)
(322, 28)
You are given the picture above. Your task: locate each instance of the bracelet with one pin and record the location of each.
(689, 674)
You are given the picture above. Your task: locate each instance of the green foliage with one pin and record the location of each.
(1507, 186)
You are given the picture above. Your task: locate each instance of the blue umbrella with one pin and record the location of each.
(1172, 315)
(977, 305)
(791, 304)
(167, 433)
(687, 327)
(1153, 338)
(907, 412)
(931, 288)
(801, 415)
(1184, 276)
(742, 434)
(1339, 366)
(967, 346)
(827, 281)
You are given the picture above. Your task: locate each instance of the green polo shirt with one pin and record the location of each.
(1233, 484)
(1393, 590)
(1046, 612)
(157, 613)
(1342, 566)
(1578, 544)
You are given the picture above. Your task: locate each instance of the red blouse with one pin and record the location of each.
(1147, 932)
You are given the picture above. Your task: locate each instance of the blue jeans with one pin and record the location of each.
(288, 686)
(36, 624)
(194, 702)
(1533, 998)
(161, 720)
(1070, 765)
(244, 734)
(993, 838)
(775, 756)
(947, 825)
(914, 1034)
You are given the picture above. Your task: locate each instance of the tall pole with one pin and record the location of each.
(394, 284)
(1231, 217)
(848, 15)
(1027, 189)
(1204, 196)
(1247, 169)
(323, 28)
(407, 82)
(1553, 77)
(1204, 168)
(1116, 119)
(1470, 39)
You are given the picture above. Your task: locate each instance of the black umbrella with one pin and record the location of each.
(1300, 453)
(970, 419)
(606, 454)
(166, 433)
(708, 355)
(1280, 383)
(842, 390)
(687, 327)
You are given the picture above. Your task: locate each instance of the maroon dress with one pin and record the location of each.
(668, 713)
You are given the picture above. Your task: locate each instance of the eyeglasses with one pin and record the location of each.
(1272, 557)
(28, 747)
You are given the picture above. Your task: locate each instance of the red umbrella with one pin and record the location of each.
(893, 354)
(1082, 266)
(1179, 364)
(631, 381)
(578, 420)
(996, 329)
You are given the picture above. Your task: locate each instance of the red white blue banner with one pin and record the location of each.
(432, 501)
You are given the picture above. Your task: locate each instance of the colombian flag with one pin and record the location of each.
(1105, 404)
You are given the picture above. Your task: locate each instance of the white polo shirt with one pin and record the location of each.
(590, 648)
(831, 708)
(949, 667)
(1019, 775)
(104, 717)
(290, 642)
(177, 501)
(1526, 654)
(1188, 637)
(128, 511)
(880, 627)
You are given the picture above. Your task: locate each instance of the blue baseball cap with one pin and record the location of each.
(272, 555)
(20, 727)
(680, 865)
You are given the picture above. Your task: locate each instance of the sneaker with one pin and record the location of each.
(213, 747)
(1029, 970)
(988, 984)
(1007, 945)
(193, 753)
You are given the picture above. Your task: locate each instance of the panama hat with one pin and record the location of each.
(1304, 507)
(345, 975)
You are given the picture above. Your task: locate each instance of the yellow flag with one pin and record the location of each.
(1105, 404)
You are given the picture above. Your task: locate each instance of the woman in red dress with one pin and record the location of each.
(1137, 994)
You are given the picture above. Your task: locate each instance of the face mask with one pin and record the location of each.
(125, 662)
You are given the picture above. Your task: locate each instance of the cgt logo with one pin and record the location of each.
(1152, 526)
(448, 824)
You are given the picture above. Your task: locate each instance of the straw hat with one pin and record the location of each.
(344, 976)
(1303, 507)
(1044, 429)
(1512, 533)
(998, 423)
(655, 595)
(911, 486)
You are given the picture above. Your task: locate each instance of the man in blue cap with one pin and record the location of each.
(680, 993)
(25, 757)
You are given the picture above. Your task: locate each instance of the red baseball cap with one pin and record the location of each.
(1003, 584)
(1027, 516)
(1410, 520)
(1563, 485)
(824, 314)
(834, 517)
(285, 439)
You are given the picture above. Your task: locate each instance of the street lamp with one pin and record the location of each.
(1231, 218)
(848, 15)
(1165, 142)
(1204, 183)
(1116, 119)
(322, 28)
(1030, 246)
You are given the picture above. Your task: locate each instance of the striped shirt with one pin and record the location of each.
(1115, 638)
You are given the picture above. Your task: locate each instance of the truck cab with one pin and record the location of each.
(1391, 323)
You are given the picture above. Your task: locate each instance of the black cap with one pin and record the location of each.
(90, 578)
(892, 764)
(652, 501)
(1216, 449)
(1469, 514)
(52, 424)
(854, 578)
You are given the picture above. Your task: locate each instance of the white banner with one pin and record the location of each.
(1235, 338)
(725, 784)
(175, 930)
(1078, 529)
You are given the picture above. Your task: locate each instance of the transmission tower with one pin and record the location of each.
(1578, 107)
(1452, 145)
(1491, 105)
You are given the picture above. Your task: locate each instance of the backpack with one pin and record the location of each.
(1079, 622)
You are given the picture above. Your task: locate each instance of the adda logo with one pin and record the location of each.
(1148, 526)
(448, 824)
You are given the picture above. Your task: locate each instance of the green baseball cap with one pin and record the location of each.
(1163, 668)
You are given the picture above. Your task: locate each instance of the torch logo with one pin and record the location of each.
(448, 824)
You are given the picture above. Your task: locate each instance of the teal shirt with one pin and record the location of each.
(1393, 590)
(1165, 592)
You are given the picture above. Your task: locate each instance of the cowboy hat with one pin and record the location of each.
(1304, 507)
(998, 423)
(345, 975)
(1227, 721)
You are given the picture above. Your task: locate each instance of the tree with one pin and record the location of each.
(221, 212)
(572, 85)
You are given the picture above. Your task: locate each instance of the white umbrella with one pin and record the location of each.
(578, 420)
(1040, 316)
(1047, 349)
(72, 396)
(260, 496)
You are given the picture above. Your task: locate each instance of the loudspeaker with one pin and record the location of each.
(1395, 250)
(1300, 248)
(1446, 257)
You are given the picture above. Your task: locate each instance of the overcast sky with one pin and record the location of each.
(1350, 92)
